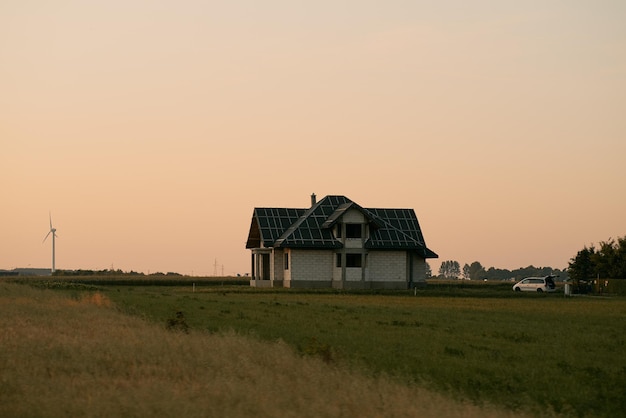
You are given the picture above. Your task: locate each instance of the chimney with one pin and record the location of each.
(313, 200)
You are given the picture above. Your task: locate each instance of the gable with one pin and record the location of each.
(309, 231)
(268, 224)
(354, 216)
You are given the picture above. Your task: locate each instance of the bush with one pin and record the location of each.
(178, 323)
(318, 349)
(616, 287)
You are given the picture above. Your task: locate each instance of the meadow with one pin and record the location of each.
(532, 354)
(523, 352)
(79, 356)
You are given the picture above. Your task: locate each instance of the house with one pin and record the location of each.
(337, 243)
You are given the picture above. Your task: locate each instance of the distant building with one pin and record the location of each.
(337, 243)
(25, 272)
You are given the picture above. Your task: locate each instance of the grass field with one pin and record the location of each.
(79, 356)
(533, 353)
(520, 351)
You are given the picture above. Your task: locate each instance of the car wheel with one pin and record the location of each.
(539, 290)
(517, 289)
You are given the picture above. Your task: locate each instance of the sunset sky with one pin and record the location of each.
(151, 129)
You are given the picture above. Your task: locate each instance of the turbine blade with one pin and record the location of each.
(50, 214)
(44, 240)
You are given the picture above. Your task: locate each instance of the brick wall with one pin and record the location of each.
(315, 268)
(277, 264)
(311, 264)
(353, 216)
(419, 269)
(387, 266)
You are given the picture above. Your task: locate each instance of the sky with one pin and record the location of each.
(149, 130)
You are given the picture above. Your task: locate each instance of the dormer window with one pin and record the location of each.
(353, 231)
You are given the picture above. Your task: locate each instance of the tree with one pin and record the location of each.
(605, 258)
(429, 271)
(450, 269)
(607, 262)
(466, 272)
(476, 271)
(582, 266)
(620, 263)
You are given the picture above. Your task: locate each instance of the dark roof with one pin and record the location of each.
(268, 224)
(400, 230)
(391, 229)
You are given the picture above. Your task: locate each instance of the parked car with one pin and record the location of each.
(535, 284)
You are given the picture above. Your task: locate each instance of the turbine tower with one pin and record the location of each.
(52, 231)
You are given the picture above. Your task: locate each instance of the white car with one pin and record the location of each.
(535, 284)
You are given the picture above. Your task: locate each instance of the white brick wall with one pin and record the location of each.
(387, 266)
(277, 265)
(353, 216)
(352, 243)
(311, 264)
(336, 272)
(353, 274)
(319, 265)
(419, 269)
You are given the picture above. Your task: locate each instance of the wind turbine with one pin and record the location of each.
(52, 231)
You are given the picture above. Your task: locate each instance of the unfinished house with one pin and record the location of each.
(337, 243)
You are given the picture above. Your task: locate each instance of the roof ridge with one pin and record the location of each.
(294, 226)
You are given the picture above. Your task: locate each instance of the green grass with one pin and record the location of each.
(77, 355)
(537, 352)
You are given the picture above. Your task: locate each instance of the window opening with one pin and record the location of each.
(353, 230)
(353, 260)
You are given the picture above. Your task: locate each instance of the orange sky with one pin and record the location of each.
(151, 129)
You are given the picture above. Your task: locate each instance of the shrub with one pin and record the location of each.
(318, 349)
(178, 323)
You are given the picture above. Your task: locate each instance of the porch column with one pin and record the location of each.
(252, 269)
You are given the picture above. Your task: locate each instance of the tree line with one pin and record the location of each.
(108, 272)
(606, 261)
(451, 269)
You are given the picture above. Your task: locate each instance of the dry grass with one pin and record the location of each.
(64, 357)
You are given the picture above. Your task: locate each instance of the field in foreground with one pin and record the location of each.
(527, 352)
(82, 357)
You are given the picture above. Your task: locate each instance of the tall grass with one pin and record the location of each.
(82, 357)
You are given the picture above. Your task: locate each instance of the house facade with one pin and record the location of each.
(337, 243)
